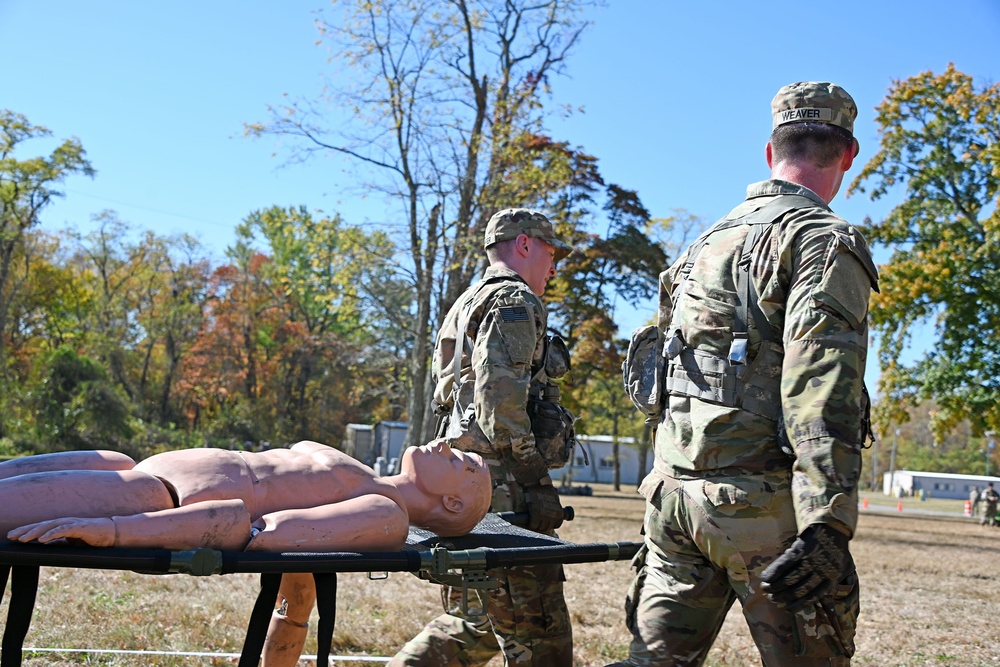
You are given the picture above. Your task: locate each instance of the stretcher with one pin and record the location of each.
(463, 562)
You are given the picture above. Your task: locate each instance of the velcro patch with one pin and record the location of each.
(514, 314)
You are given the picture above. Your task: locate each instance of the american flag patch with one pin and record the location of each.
(514, 314)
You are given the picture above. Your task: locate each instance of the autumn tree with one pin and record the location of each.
(443, 90)
(42, 316)
(939, 152)
(220, 378)
(78, 407)
(46, 302)
(27, 186)
(333, 280)
(295, 329)
(113, 267)
(169, 306)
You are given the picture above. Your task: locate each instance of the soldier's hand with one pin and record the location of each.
(545, 512)
(808, 569)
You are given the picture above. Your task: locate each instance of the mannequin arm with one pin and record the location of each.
(309, 446)
(366, 523)
(217, 524)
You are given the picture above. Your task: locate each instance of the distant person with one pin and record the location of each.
(989, 500)
(754, 489)
(974, 500)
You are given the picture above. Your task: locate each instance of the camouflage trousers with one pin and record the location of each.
(989, 514)
(526, 617)
(706, 543)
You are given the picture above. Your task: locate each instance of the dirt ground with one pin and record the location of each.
(930, 596)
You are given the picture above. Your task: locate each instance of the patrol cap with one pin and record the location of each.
(511, 222)
(815, 102)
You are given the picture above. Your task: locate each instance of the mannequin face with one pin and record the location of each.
(438, 469)
(456, 483)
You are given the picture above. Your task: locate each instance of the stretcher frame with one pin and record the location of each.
(463, 562)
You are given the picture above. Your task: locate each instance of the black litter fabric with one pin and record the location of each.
(492, 532)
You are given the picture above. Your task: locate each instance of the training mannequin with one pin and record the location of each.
(309, 497)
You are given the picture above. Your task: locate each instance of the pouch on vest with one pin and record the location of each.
(553, 427)
(644, 370)
(556, 357)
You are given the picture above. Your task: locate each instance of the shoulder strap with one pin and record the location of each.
(746, 292)
(747, 305)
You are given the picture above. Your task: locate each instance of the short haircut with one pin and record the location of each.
(501, 250)
(821, 144)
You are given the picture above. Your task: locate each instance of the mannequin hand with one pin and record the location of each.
(99, 532)
(808, 569)
(545, 512)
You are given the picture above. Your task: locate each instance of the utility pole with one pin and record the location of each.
(892, 462)
(874, 463)
(990, 444)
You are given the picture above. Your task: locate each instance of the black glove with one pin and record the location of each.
(545, 512)
(808, 569)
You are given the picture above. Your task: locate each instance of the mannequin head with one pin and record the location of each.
(454, 486)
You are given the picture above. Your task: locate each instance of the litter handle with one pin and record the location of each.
(521, 518)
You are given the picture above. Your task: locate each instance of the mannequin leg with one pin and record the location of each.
(286, 634)
(42, 496)
(83, 460)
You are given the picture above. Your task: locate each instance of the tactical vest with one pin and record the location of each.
(734, 380)
(551, 423)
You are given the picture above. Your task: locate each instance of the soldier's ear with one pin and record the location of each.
(523, 244)
(850, 154)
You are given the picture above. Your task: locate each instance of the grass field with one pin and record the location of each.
(930, 593)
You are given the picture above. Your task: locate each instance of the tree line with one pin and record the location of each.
(122, 338)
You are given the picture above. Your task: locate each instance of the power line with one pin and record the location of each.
(151, 210)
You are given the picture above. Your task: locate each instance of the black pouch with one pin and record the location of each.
(555, 435)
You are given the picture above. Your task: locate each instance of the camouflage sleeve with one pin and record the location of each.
(506, 343)
(826, 344)
(442, 371)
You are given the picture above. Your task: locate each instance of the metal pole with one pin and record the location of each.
(874, 464)
(990, 444)
(892, 462)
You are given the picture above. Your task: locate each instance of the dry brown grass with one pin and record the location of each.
(930, 586)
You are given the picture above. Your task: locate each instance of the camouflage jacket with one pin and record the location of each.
(507, 323)
(812, 274)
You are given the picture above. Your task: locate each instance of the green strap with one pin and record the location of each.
(23, 590)
(746, 294)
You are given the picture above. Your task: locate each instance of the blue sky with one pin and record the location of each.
(674, 96)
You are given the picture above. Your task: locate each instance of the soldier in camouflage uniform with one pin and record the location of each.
(989, 499)
(753, 495)
(499, 327)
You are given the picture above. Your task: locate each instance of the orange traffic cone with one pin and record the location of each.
(968, 508)
(864, 504)
(899, 506)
